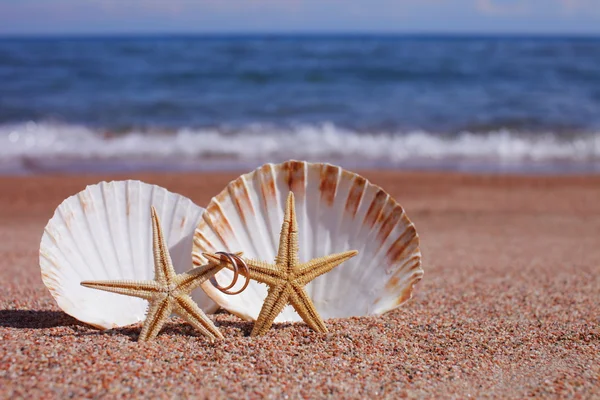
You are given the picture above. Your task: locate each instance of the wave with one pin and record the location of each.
(39, 146)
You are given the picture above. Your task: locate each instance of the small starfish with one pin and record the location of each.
(287, 277)
(168, 292)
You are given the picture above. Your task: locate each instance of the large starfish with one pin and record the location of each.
(168, 292)
(287, 277)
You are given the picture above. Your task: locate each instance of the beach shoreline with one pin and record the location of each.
(507, 306)
(172, 165)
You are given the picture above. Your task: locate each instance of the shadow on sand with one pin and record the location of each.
(35, 319)
(40, 319)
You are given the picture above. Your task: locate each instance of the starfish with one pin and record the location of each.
(168, 292)
(287, 277)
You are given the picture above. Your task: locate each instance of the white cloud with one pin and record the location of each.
(538, 8)
(588, 7)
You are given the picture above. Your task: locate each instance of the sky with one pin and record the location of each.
(58, 17)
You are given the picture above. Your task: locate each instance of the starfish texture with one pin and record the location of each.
(168, 292)
(287, 277)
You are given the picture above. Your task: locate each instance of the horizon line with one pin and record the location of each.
(336, 34)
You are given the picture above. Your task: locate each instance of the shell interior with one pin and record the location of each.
(104, 233)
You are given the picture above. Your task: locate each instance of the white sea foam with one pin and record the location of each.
(33, 143)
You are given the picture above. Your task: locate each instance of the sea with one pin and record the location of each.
(186, 103)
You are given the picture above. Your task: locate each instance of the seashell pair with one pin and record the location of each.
(104, 233)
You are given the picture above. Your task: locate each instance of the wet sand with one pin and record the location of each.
(509, 306)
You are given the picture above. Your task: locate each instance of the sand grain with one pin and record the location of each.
(509, 306)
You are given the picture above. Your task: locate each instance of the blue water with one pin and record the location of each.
(389, 99)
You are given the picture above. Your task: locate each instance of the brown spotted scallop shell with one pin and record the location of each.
(337, 210)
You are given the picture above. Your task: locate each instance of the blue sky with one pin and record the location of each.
(223, 16)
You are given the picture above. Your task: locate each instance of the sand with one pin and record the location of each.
(509, 306)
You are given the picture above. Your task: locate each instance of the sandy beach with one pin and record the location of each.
(509, 306)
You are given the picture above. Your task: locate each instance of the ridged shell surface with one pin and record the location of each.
(105, 233)
(337, 210)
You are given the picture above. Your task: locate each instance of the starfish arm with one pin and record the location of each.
(163, 266)
(259, 271)
(158, 313)
(276, 300)
(187, 309)
(319, 266)
(193, 278)
(143, 289)
(262, 272)
(306, 309)
(287, 253)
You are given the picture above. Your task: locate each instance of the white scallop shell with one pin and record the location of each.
(104, 233)
(337, 210)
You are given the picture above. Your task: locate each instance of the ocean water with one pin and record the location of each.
(186, 103)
